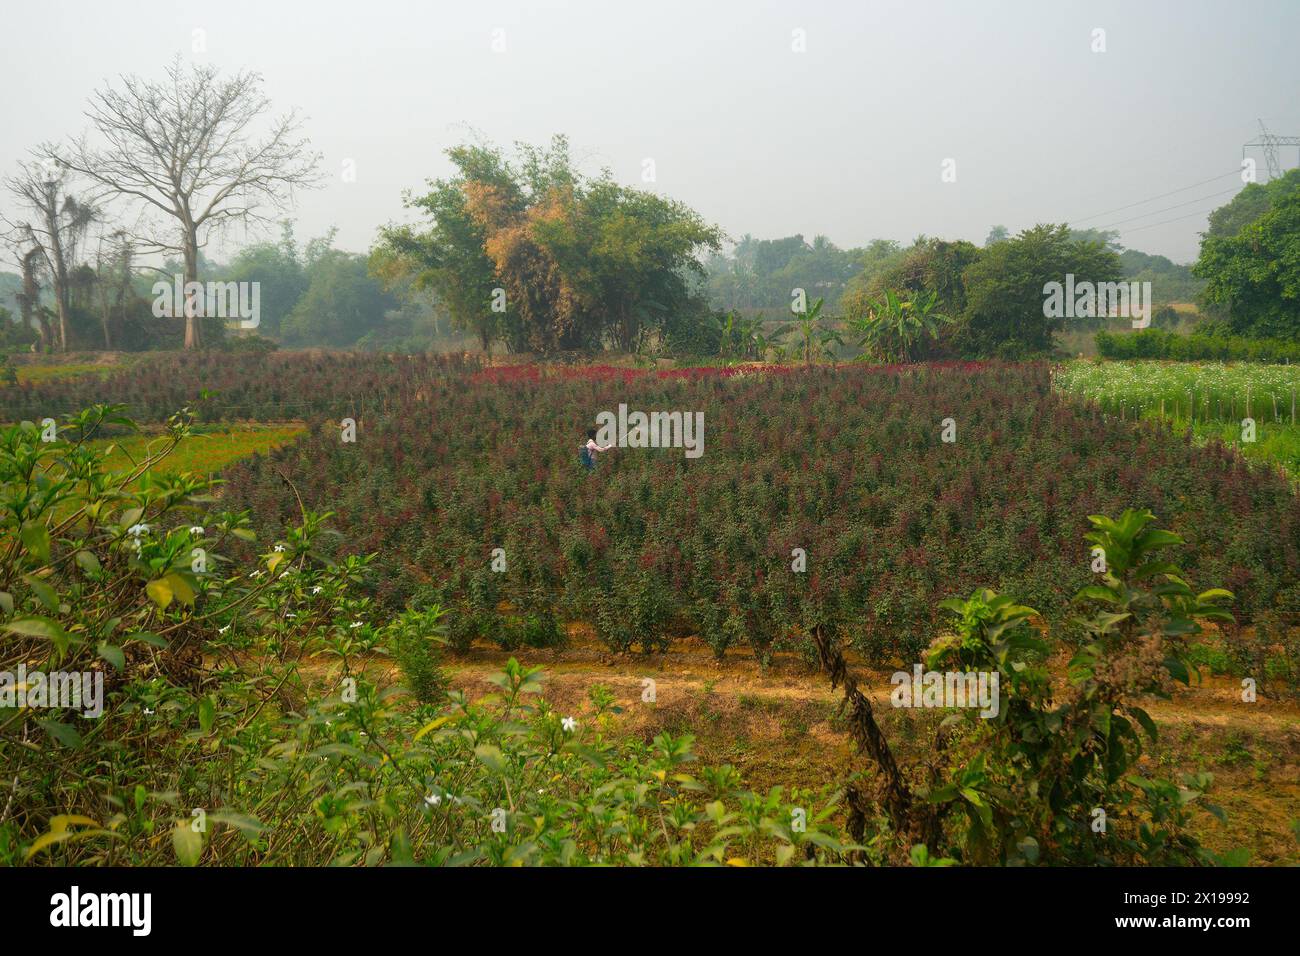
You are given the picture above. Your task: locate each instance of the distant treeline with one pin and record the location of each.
(522, 252)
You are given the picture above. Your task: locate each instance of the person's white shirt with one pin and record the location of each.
(592, 446)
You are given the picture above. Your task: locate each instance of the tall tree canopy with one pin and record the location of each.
(531, 252)
(1250, 259)
(1004, 289)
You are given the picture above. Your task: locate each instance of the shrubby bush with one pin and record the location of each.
(1052, 776)
(1198, 346)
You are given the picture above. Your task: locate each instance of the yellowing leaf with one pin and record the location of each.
(180, 587)
(431, 726)
(187, 844)
(159, 592)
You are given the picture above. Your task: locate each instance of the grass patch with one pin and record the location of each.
(205, 452)
(36, 374)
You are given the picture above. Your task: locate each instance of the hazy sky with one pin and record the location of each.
(846, 139)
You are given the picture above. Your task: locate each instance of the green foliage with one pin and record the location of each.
(213, 748)
(1252, 268)
(1248, 205)
(582, 262)
(1032, 783)
(1005, 289)
(898, 329)
(1199, 346)
(340, 304)
(1170, 281)
(279, 269)
(928, 266)
(415, 639)
(761, 273)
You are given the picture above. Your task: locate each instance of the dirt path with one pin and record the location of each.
(780, 726)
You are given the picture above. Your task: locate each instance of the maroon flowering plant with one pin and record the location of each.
(848, 465)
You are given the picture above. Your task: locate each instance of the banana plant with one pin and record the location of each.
(765, 344)
(806, 323)
(829, 342)
(895, 329)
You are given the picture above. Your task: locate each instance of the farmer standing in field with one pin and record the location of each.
(590, 450)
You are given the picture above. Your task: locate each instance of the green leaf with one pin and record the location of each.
(40, 627)
(36, 539)
(248, 825)
(491, 757)
(180, 587)
(1178, 670)
(1096, 592)
(88, 563)
(187, 844)
(160, 592)
(112, 654)
(1143, 718)
(64, 734)
(7, 602)
(149, 637)
(44, 593)
(207, 714)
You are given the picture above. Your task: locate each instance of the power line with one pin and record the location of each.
(1156, 212)
(1233, 172)
(1151, 225)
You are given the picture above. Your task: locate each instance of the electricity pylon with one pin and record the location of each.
(1269, 143)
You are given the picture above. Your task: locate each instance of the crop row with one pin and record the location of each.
(224, 386)
(848, 466)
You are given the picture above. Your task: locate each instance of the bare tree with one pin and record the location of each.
(56, 228)
(187, 148)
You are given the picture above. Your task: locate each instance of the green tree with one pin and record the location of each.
(1004, 289)
(278, 268)
(342, 303)
(449, 255)
(580, 262)
(996, 234)
(1254, 273)
(928, 265)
